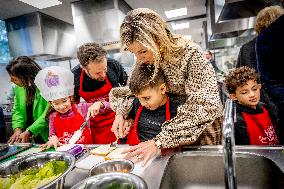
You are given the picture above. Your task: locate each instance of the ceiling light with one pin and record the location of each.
(176, 12)
(180, 26)
(41, 4)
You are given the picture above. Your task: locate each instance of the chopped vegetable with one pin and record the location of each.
(118, 185)
(34, 177)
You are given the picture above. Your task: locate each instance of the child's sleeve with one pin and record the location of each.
(83, 107)
(106, 108)
(51, 124)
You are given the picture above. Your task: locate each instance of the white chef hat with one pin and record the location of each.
(55, 82)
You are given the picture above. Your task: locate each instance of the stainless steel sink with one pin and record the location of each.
(198, 170)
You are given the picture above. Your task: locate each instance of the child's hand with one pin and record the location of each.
(52, 142)
(95, 109)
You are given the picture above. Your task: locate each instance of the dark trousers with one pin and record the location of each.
(2, 127)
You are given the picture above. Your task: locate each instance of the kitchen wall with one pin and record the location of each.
(126, 59)
(6, 85)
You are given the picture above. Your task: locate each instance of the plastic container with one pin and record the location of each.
(74, 149)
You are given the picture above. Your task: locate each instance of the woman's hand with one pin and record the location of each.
(142, 152)
(127, 126)
(95, 109)
(25, 137)
(120, 126)
(15, 136)
(52, 142)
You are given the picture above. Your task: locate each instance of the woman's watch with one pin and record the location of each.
(158, 143)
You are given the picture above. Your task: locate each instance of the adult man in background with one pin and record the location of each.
(208, 56)
(247, 55)
(93, 79)
(269, 50)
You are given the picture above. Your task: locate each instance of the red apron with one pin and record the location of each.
(260, 129)
(101, 124)
(132, 137)
(65, 128)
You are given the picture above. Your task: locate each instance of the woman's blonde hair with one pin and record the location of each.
(266, 16)
(150, 29)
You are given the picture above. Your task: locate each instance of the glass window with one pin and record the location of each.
(4, 47)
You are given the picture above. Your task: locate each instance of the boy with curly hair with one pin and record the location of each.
(255, 122)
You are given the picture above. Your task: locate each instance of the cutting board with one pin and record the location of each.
(91, 160)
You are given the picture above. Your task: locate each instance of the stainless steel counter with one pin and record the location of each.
(202, 167)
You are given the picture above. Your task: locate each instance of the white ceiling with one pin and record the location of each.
(12, 8)
(195, 8)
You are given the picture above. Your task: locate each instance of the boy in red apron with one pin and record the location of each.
(256, 123)
(56, 85)
(152, 105)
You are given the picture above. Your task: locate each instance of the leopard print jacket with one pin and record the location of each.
(198, 120)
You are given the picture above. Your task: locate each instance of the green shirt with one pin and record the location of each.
(19, 115)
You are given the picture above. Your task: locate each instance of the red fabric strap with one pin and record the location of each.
(132, 137)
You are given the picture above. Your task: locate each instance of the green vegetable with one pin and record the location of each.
(118, 185)
(61, 166)
(6, 182)
(34, 177)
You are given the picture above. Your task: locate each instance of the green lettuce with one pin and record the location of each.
(34, 177)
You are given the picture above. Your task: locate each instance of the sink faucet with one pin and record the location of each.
(228, 140)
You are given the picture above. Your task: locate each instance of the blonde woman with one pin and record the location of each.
(198, 121)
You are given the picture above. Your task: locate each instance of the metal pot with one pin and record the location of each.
(122, 165)
(38, 160)
(107, 180)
